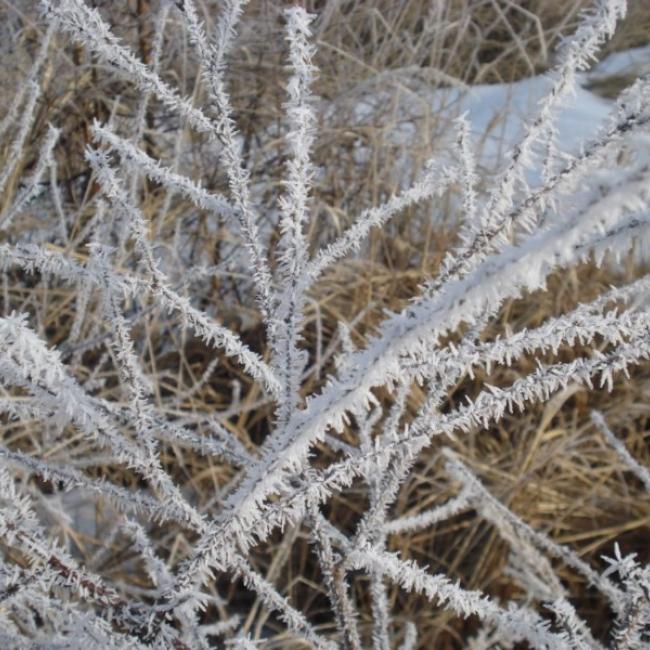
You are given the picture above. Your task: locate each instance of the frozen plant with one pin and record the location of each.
(511, 238)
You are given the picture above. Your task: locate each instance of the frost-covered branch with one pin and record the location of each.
(635, 467)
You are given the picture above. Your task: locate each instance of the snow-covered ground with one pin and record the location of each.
(496, 112)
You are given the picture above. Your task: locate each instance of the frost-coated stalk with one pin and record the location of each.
(25, 124)
(143, 107)
(337, 588)
(131, 373)
(294, 206)
(468, 175)
(429, 517)
(212, 64)
(496, 511)
(134, 159)
(13, 112)
(410, 637)
(209, 330)
(634, 466)
(433, 183)
(522, 624)
(375, 535)
(293, 618)
(33, 188)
